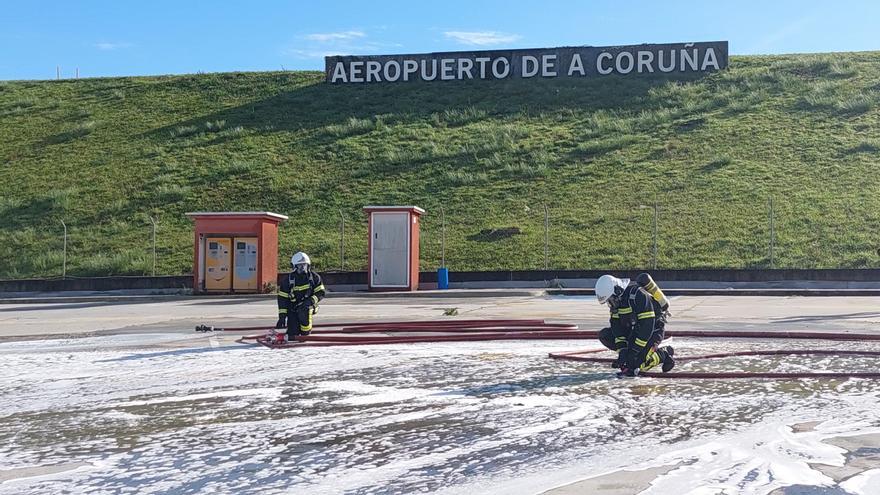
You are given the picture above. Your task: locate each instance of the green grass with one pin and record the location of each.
(105, 155)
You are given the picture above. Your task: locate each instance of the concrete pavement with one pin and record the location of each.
(178, 317)
(833, 314)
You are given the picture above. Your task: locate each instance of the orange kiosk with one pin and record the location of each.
(393, 247)
(235, 252)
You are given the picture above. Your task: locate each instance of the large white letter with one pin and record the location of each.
(526, 61)
(619, 67)
(691, 58)
(386, 72)
(710, 54)
(496, 73)
(446, 69)
(373, 69)
(355, 68)
(548, 62)
(576, 65)
(671, 66)
(599, 68)
(409, 67)
(339, 73)
(433, 69)
(465, 64)
(482, 61)
(645, 60)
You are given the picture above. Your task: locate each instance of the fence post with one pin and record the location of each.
(442, 238)
(153, 221)
(654, 257)
(546, 238)
(64, 263)
(342, 240)
(772, 232)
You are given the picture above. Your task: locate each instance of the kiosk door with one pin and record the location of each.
(217, 261)
(390, 245)
(244, 277)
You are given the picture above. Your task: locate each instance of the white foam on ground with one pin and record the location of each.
(266, 393)
(493, 418)
(867, 483)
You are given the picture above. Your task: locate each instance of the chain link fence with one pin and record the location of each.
(673, 232)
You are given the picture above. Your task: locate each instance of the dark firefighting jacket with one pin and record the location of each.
(634, 322)
(299, 290)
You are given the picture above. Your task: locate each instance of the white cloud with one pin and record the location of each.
(481, 38)
(111, 46)
(337, 36)
(339, 49)
(350, 42)
(298, 53)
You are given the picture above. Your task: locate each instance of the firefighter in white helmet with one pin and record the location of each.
(298, 298)
(639, 310)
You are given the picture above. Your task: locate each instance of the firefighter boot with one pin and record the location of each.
(668, 361)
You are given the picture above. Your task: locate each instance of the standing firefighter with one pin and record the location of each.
(298, 299)
(638, 316)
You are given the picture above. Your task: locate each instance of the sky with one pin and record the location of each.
(120, 38)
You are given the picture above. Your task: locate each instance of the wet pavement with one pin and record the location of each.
(130, 399)
(129, 413)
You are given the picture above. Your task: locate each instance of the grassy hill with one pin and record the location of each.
(106, 154)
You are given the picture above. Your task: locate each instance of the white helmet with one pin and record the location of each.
(606, 285)
(300, 258)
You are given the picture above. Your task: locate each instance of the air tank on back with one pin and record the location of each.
(646, 282)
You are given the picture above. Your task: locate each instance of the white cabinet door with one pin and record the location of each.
(390, 246)
(244, 276)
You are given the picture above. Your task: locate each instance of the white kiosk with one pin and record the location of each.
(393, 247)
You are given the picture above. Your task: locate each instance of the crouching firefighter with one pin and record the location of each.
(639, 310)
(298, 298)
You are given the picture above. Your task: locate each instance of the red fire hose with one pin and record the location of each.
(489, 330)
(326, 340)
(386, 325)
(760, 374)
(751, 334)
(578, 356)
(444, 331)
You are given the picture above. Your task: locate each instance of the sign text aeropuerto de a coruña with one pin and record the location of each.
(573, 61)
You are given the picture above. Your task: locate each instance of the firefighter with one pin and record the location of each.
(639, 311)
(298, 298)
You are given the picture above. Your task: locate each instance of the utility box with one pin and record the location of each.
(235, 252)
(393, 247)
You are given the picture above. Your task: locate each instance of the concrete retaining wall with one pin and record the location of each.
(706, 279)
(697, 275)
(90, 284)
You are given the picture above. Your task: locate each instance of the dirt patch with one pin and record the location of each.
(33, 471)
(863, 454)
(616, 483)
(805, 427)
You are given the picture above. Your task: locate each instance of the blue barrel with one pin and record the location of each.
(443, 278)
